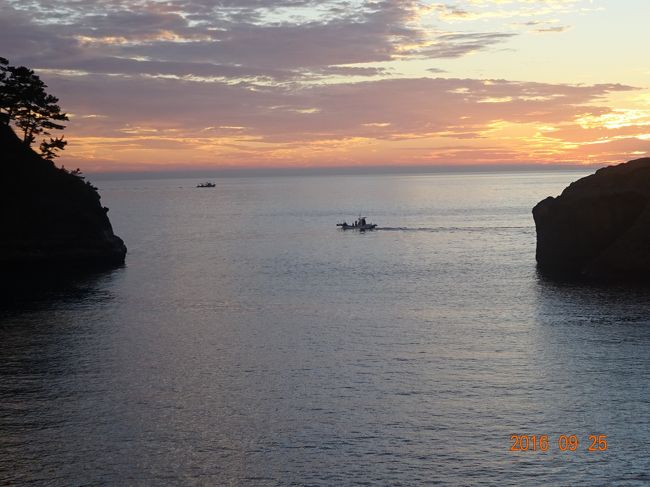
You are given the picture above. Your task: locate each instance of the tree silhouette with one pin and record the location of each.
(5, 102)
(48, 149)
(24, 101)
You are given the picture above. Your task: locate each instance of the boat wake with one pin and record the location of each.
(450, 229)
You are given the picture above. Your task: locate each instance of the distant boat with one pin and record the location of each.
(206, 185)
(359, 224)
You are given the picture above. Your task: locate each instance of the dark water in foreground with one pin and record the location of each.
(249, 342)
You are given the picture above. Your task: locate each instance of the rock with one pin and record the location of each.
(599, 227)
(48, 216)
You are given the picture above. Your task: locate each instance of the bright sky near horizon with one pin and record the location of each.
(183, 84)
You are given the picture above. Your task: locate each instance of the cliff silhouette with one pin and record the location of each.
(49, 216)
(599, 227)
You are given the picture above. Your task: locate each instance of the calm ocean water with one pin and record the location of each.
(249, 342)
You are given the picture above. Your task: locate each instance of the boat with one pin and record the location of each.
(359, 224)
(207, 184)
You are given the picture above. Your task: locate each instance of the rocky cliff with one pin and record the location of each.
(49, 217)
(599, 227)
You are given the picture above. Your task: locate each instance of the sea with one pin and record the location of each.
(249, 341)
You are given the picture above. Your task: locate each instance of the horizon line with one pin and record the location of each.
(338, 170)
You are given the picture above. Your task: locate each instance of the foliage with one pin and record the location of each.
(78, 174)
(34, 112)
(48, 149)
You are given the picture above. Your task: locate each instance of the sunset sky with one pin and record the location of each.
(251, 83)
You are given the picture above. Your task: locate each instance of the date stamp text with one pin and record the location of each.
(566, 442)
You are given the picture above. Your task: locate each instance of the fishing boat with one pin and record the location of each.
(359, 224)
(206, 185)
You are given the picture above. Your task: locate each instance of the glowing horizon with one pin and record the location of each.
(179, 84)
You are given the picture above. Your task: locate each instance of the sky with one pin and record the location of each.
(199, 84)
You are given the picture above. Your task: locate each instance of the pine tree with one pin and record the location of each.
(49, 149)
(24, 101)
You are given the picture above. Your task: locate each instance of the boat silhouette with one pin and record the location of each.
(359, 224)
